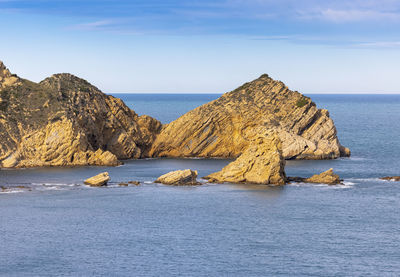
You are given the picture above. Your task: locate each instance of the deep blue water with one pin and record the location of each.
(61, 227)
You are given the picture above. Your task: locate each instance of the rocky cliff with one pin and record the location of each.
(224, 127)
(64, 120)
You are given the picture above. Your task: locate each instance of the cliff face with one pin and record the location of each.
(224, 127)
(64, 120)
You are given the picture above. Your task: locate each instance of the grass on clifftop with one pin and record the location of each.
(302, 102)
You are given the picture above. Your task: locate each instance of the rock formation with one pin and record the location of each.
(6, 78)
(185, 177)
(64, 120)
(327, 177)
(391, 178)
(98, 180)
(261, 163)
(225, 127)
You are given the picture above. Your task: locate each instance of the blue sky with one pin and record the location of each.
(313, 46)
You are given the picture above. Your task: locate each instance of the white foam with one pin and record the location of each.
(365, 179)
(354, 159)
(345, 184)
(51, 188)
(11, 191)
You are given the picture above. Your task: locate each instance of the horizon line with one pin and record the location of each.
(305, 93)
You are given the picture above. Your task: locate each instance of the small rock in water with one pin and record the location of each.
(136, 183)
(22, 187)
(391, 178)
(327, 177)
(98, 180)
(185, 177)
(123, 184)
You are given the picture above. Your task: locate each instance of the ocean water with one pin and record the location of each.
(55, 226)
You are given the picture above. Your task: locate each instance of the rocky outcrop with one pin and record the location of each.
(226, 126)
(185, 177)
(98, 180)
(6, 78)
(65, 121)
(391, 178)
(261, 163)
(327, 177)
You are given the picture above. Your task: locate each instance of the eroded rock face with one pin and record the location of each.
(185, 177)
(261, 163)
(326, 177)
(225, 127)
(98, 180)
(64, 120)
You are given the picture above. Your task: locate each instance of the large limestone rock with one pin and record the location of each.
(326, 177)
(225, 127)
(64, 121)
(98, 180)
(185, 177)
(261, 163)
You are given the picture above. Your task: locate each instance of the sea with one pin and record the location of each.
(53, 225)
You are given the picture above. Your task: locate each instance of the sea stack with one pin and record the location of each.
(64, 120)
(226, 126)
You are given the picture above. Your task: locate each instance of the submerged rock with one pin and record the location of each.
(391, 178)
(327, 177)
(64, 120)
(260, 163)
(185, 177)
(123, 184)
(226, 126)
(98, 180)
(136, 183)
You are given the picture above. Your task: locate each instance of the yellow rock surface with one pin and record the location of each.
(6, 78)
(225, 127)
(326, 177)
(260, 163)
(98, 180)
(179, 178)
(65, 121)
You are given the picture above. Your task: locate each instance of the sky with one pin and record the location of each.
(178, 46)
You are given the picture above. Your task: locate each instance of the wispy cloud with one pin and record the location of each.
(344, 16)
(380, 44)
(95, 25)
(335, 22)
